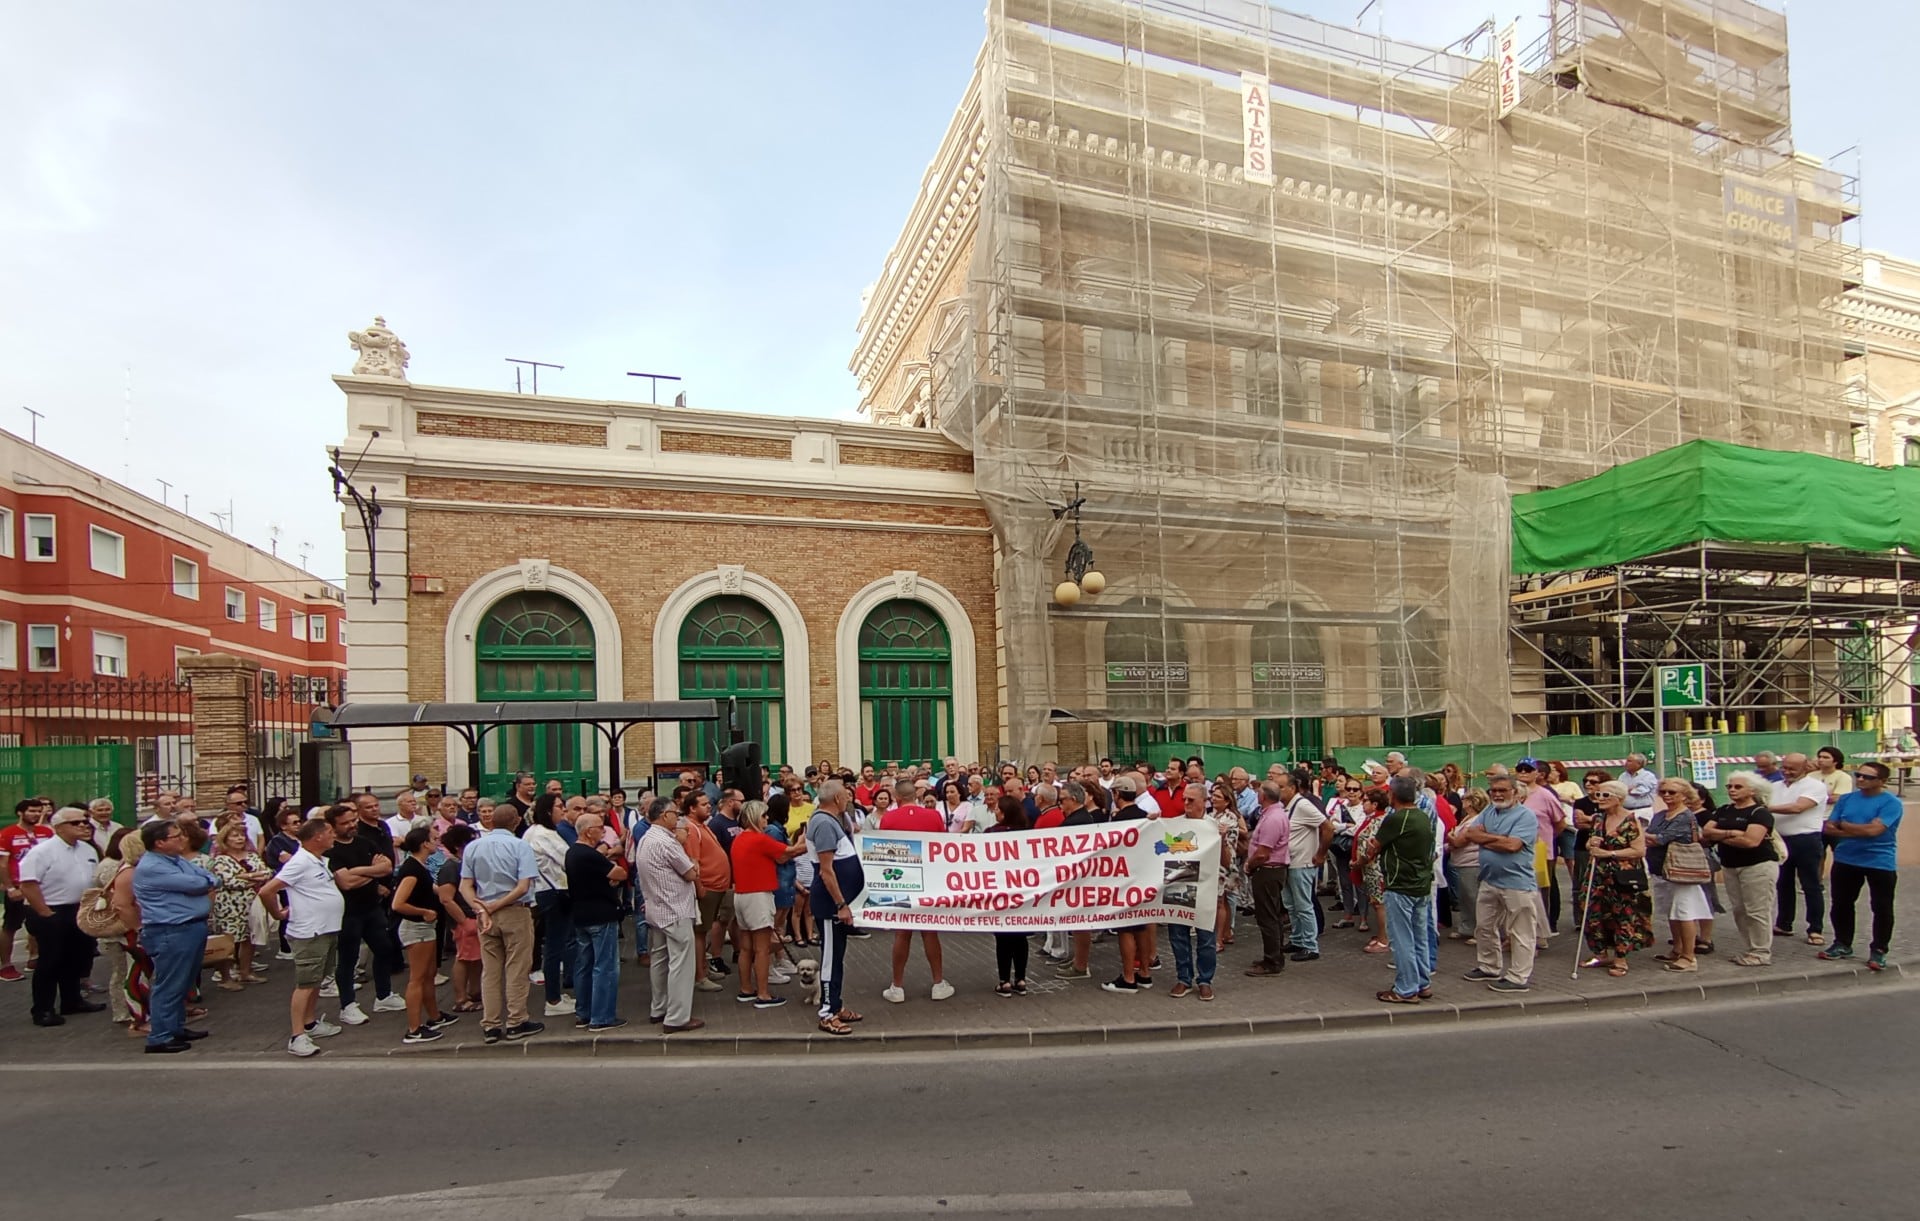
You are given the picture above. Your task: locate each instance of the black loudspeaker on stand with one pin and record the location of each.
(740, 769)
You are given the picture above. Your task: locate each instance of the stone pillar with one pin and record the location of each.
(222, 724)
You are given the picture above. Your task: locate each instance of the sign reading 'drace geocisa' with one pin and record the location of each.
(1145, 871)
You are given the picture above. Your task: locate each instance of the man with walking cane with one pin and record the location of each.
(1508, 909)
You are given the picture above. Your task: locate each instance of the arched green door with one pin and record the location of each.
(1146, 665)
(731, 647)
(1289, 674)
(906, 684)
(536, 646)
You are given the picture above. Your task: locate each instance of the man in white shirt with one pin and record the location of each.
(406, 808)
(1641, 784)
(53, 875)
(313, 909)
(1799, 808)
(1308, 835)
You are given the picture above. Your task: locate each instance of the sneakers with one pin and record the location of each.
(12, 974)
(942, 990)
(895, 996)
(538, 977)
(1305, 956)
(1068, 971)
(285, 955)
(425, 1034)
(1480, 975)
(1143, 979)
(351, 1015)
(779, 975)
(440, 980)
(1507, 985)
(771, 1003)
(1835, 952)
(322, 1029)
(524, 1029)
(1120, 985)
(859, 934)
(391, 1003)
(329, 989)
(1877, 961)
(444, 1020)
(704, 984)
(717, 965)
(615, 1024)
(490, 1035)
(561, 1007)
(303, 1046)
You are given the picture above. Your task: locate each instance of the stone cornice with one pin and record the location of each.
(945, 211)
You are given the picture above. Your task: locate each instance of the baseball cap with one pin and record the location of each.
(1528, 764)
(1126, 783)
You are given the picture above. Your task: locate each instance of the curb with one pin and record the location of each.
(1428, 1014)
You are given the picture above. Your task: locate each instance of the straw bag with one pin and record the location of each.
(96, 917)
(1687, 864)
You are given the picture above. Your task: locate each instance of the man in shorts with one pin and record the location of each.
(312, 911)
(29, 828)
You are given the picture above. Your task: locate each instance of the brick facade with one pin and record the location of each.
(726, 445)
(905, 459)
(489, 428)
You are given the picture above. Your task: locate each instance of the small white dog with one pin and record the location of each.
(808, 970)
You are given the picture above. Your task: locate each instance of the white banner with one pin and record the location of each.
(1256, 164)
(1509, 65)
(1144, 871)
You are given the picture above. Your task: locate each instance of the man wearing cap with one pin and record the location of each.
(1537, 795)
(52, 878)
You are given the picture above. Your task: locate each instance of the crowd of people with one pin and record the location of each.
(535, 889)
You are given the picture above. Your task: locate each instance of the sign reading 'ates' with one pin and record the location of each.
(1257, 163)
(1508, 55)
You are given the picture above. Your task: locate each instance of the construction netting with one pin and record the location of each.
(1293, 410)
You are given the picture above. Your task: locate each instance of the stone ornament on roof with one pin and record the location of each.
(381, 354)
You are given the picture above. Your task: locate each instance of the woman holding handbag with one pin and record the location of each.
(1678, 866)
(1619, 915)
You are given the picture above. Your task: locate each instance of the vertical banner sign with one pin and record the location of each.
(1146, 871)
(1257, 164)
(1705, 768)
(1508, 54)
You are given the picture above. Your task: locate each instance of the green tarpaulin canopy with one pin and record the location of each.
(1711, 491)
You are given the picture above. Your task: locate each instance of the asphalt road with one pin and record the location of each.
(1775, 1109)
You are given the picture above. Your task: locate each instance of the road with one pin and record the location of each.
(1775, 1109)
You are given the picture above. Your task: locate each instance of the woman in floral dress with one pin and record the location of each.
(1366, 868)
(1619, 920)
(1226, 819)
(240, 870)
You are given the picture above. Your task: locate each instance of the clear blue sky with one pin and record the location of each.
(213, 199)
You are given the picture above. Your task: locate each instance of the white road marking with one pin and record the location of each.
(867, 1206)
(569, 1197)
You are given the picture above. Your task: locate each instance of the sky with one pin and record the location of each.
(199, 201)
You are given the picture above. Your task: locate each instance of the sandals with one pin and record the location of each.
(1391, 997)
(1617, 969)
(834, 1026)
(1816, 939)
(1376, 947)
(1683, 964)
(849, 1016)
(1003, 990)
(1595, 961)
(468, 1007)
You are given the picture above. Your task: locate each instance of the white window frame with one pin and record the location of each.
(9, 645)
(52, 536)
(94, 536)
(236, 600)
(180, 651)
(317, 629)
(6, 534)
(267, 614)
(297, 624)
(317, 687)
(340, 635)
(33, 663)
(191, 587)
(116, 654)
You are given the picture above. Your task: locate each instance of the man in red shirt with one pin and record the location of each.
(29, 828)
(1046, 799)
(906, 814)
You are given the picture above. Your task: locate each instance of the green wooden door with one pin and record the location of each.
(537, 646)
(731, 647)
(1289, 676)
(906, 685)
(1130, 742)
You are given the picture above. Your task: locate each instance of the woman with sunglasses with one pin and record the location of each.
(1683, 905)
(1345, 813)
(1224, 813)
(1619, 915)
(1370, 877)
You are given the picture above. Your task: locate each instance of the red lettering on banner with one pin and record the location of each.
(958, 851)
(1002, 849)
(971, 880)
(1092, 867)
(1028, 879)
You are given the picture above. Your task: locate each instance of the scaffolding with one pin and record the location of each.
(1780, 629)
(1295, 410)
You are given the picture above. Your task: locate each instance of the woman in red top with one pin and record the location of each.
(757, 858)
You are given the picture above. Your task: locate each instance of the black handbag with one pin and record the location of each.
(1632, 881)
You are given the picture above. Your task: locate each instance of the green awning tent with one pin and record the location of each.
(1712, 491)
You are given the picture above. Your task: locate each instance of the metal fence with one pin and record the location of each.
(280, 719)
(46, 728)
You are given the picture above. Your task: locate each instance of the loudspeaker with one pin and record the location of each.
(740, 769)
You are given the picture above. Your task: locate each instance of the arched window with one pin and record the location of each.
(1289, 675)
(1146, 663)
(906, 684)
(731, 647)
(536, 646)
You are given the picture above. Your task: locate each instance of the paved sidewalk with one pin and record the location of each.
(1335, 992)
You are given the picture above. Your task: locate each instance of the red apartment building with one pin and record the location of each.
(103, 590)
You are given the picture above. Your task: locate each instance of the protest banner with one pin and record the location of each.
(1145, 871)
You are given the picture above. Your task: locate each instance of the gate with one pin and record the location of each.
(279, 721)
(125, 738)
